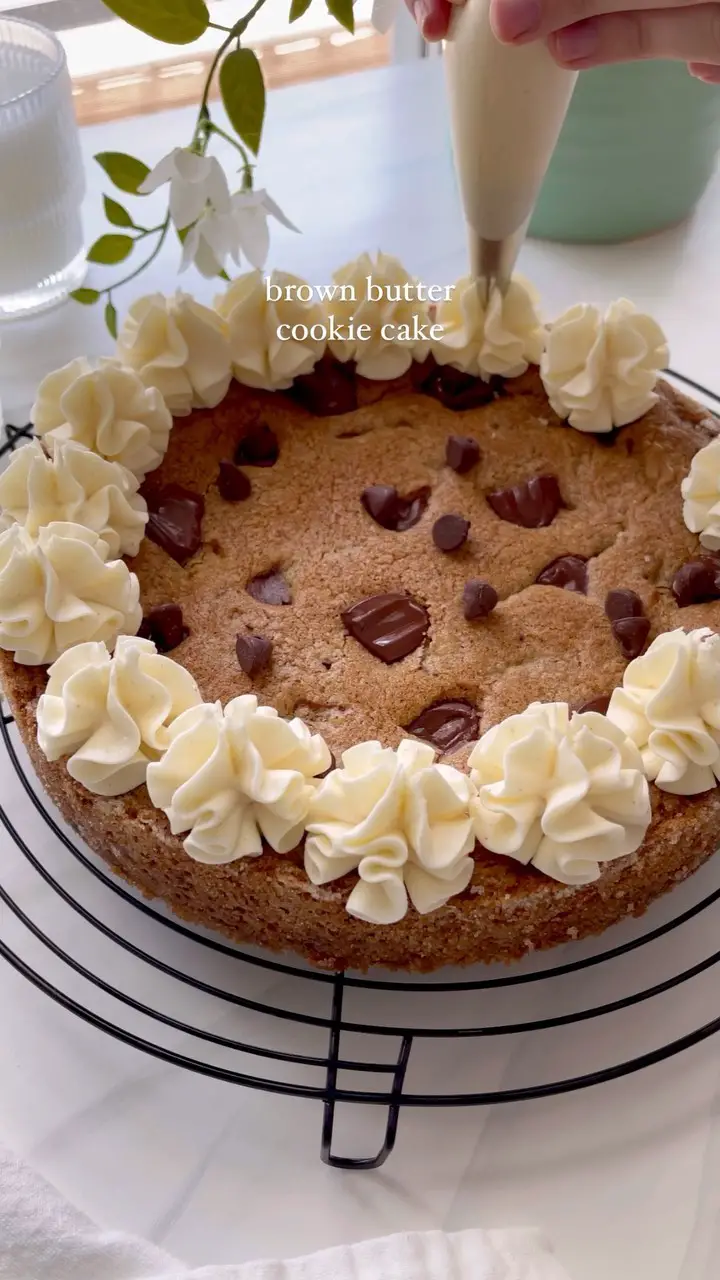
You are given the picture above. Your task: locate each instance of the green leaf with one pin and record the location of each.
(343, 11)
(110, 249)
(223, 275)
(125, 172)
(243, 93)
(173, 21)
(111, 319)
(85, 296)
(298, 8)
(115, 213)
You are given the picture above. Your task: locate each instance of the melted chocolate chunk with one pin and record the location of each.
(450, 532)
(233, 485)
(623, 603)
(164, 626)
(599, 704)
(631, 634)
(253, 653)
(389, 626)
(175, 521)
(270, 588)
(329, 390)
(393, 511)
(462, 453)
(259, 448)
(629, 625)
(696, 583)
(607, 438)
(478, 599)
(454, 389)
(446, 724)
(533, 504)
(567, 572)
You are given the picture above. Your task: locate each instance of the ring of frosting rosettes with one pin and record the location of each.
(562, 790)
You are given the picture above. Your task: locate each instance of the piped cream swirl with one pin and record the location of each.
(61, 589)
(600, 372)
(264, 353)
(111, 715)
(669, 705)
(566, 793)
(179, 347)
(398, 820)
(232, 777)
(107, 409)
(701, 493)
(383, 296)
(502, 338)
(75, 486)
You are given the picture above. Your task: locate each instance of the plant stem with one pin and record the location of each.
(222, 133)
(238, 30)
(218, 26)
(163, 228)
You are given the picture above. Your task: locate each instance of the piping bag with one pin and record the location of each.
(507, 107)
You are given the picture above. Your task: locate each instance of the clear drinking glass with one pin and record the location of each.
(42, 180)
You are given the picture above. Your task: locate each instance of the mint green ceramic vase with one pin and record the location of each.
(637, 150)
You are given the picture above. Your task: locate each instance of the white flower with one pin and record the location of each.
(209, 242)
(241, 232)
(195, 182)
(251, 210)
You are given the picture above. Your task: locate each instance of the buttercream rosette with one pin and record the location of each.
(178, 347)
(669, 705)
(564, 792)
(111, 714)
(400, 822)
(499, 338)
(235, 776)
(106, 408)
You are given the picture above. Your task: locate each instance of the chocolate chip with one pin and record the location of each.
(164, 626)
(330, 389)
(233, 485)
(462, 453)
(568, 572)
(258, 448)
(623, 603)
(389, 509)
(629, 625)
(253, 653)
(532, 504)
(270, 588)
(389, 626)
(478, 599)
(446, 724)
(599, 704)
(454, 389)
(174, 521)
(450, 532)
(696, 583)
(631, 634)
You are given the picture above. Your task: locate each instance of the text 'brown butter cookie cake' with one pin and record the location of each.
(385, 649)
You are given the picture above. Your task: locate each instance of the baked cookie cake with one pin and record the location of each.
(395, 650)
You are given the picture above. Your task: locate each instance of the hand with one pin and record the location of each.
(432, 16)
(588, 33)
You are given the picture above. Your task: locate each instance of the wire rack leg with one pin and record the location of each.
(393, 1114)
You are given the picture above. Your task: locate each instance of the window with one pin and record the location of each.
(119, 71)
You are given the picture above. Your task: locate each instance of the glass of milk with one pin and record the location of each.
(42, 180)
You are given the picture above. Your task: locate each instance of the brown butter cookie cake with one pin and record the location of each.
(416, 662)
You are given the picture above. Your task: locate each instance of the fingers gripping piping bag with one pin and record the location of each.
(507, 107)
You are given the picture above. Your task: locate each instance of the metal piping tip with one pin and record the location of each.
(492, 262)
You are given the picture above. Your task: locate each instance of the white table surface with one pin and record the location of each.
(625, 1177)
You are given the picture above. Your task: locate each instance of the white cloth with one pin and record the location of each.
(42, 1237)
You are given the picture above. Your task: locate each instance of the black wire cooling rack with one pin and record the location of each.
(85, 939)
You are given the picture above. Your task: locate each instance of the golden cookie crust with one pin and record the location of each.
(623, 511)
